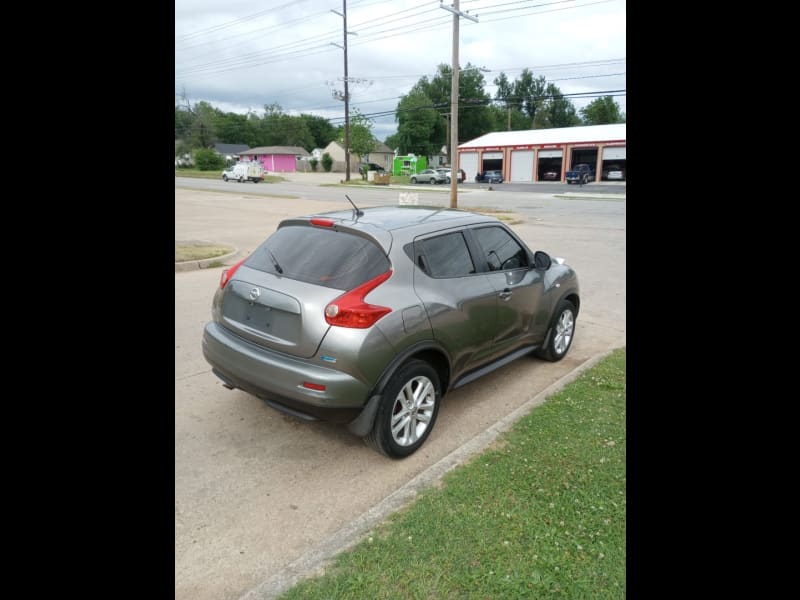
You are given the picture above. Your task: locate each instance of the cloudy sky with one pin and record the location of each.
(241, 55)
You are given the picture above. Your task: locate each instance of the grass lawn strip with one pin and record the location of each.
(199, 250)
(542, 513)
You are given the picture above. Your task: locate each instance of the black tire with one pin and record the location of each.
(224, 178)
(413, 180)
(407, 378)
(559, 339)
(447, 180)
(433, 181)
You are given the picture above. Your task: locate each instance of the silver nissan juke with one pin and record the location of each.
(368, 317)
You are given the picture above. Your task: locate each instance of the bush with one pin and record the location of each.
(327, 162)
(313, 162)
(208, 160)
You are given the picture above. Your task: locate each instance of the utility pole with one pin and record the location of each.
(454, 102)
(447, 137)
(343, 14)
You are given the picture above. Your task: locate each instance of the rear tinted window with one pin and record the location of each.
(325, 257)
(447, 256)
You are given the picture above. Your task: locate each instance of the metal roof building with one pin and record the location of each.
(525, 156)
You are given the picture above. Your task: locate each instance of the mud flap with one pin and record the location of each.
(362, 424)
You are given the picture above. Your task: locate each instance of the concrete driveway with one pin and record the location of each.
(256, 491)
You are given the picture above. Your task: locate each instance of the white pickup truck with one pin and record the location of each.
(244, 171)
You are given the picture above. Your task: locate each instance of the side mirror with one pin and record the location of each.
(542, 260)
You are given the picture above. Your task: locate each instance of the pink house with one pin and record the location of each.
(277, 159)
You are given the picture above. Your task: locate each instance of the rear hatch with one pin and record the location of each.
(277, 298)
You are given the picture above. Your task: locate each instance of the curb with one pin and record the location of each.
(348, 536)
(590, 196)
(193, 265)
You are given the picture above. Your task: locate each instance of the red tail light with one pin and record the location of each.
(350, 310)
(228, 273)
(322, 222)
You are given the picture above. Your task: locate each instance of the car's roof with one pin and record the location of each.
(391, 218)
(385, 223)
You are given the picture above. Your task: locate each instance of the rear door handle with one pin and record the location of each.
(505, 294)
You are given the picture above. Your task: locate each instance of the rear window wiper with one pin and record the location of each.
(274, 261)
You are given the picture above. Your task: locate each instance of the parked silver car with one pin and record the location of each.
(448, 174)
(428, 176)
(368, 317)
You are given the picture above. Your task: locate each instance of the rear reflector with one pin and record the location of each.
(350, 310)
(314, 386)
(322, 222)
(227, 274)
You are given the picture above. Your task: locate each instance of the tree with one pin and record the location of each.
(473, 103)
(207, 159)
(253, 128)
(560, 111)
(327, 162)
(416, 119)
(362, 142)
(279, 129)
(393, 142)
(202, 133)
(183, 122)
(231, 128)
(321, 130)
(602, 111)
(530, 91)
(527, 95)
(501, 115)
(422, 113)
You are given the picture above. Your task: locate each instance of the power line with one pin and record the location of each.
(238, 20)
(254, 59)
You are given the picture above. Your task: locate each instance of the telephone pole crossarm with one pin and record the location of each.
(455, 11)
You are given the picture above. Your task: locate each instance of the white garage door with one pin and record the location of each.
(522, 165)
(614, 153)
(550, 153)
(469, 162)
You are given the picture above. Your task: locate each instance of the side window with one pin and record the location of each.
(447, 256)
(501, 251)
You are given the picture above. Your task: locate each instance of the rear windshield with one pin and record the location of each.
(333, 259)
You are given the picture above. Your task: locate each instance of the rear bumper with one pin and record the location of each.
(278, 378)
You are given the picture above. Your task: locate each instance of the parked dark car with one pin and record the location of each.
(489, 177)
(368, 317)
(580, 174)
(370, 167)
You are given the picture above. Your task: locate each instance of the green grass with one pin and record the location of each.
(393, 180)
(217, 174)
(199, 250)
(541, 514)
(497, 213)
